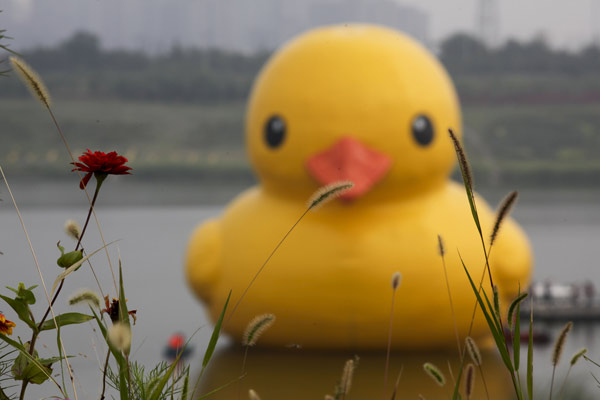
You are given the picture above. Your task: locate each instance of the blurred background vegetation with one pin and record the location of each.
(531, 113)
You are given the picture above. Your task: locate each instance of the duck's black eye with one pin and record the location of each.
(422, 130)
(275, 131)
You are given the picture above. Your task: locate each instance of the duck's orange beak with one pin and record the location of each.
(349, 159)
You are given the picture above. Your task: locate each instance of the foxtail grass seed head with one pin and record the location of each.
(346, 380)
(73, 229)
(503, 211)
(473, 350)
(32, 80)
(85, 296)
(441, 248)
(435, 373)
(328, 192)
(462, 160)
(560, 343)
(396, 279)
(252, 395)
(469, 380)
(257, 327)
(119, 335)
(578, 355)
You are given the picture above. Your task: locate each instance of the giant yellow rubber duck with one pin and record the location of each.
(370, 105)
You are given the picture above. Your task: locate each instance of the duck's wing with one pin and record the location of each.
(203, 258)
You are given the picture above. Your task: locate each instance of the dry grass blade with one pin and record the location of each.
(396, 277)
(503, 211)
(442, 252)
(397, 385)
(37, 265)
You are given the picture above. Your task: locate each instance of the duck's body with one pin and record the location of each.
(329, 283)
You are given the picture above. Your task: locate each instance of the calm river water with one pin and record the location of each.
(152, 228)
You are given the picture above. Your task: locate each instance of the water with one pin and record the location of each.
(563, 226)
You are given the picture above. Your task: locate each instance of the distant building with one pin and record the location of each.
(157, 25)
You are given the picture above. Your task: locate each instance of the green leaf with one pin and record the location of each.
(511, 309)
(22, 310)
(215, 335)
(186, 383)
(155, 395)
(498, 335)
(116, 353)
(24, 294)
(33, 370)
(34, 374)
(74, 267)
(517, 340)
(66, 319)
(121, 360)
(70, 258)
(124, 319)
(26, 354)
(123, 311)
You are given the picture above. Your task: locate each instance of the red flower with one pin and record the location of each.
(6, 325)
(100, 163)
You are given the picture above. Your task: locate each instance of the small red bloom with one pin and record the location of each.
(6, 325)
(100, 163)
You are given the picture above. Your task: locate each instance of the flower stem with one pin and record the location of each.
(36, 333)
(87, 220)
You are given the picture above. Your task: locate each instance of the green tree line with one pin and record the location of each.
(79, 67)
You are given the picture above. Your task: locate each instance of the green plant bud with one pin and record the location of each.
(70, 258)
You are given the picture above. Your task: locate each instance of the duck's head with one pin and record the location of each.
(352, 102)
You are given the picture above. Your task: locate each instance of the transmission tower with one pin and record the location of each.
(487, 22)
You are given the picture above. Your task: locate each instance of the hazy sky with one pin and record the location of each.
(565, 23)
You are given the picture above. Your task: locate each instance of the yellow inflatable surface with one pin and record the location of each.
(370, 105)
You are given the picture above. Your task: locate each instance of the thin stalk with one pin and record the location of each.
(104, 375)
(451, 304)
(264, 264)
(64, 140)
(243, 372)
(76, 248)
(389, 346)
(37, 264)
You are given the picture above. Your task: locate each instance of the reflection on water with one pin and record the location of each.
(300, 374)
